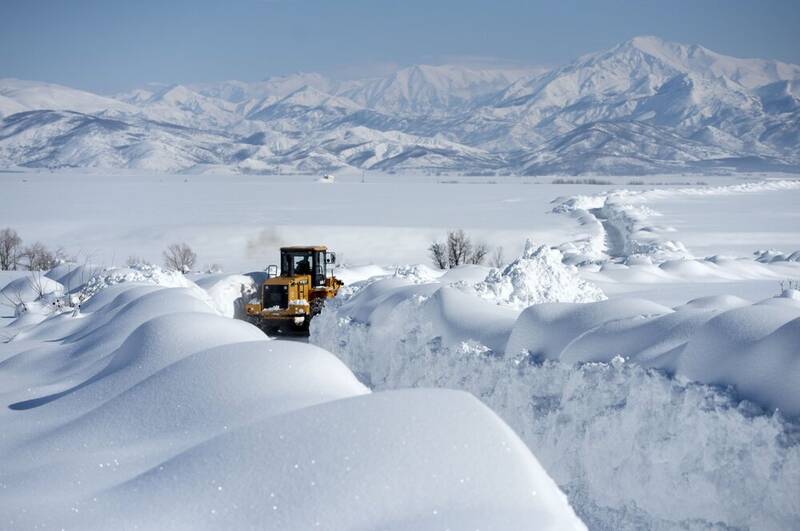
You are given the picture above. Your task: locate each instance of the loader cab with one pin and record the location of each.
(307, 261)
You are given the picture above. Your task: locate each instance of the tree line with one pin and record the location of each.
(14, 255)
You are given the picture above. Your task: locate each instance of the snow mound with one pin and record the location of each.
(73, 276)
(419, 273)
(755, 349)
(173, 416)
(371, 462)
(140, 274)
(793, 294)
(29, 288)
(352, 274)
(228, 293)
(751, 348)
(538, 276)
(622, 392)
(30, 299)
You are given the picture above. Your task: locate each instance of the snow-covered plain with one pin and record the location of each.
(645, 354)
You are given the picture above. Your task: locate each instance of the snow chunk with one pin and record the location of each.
(538, 276)
(141, 273)
(228, 293)
(793, 294)
(419, 273)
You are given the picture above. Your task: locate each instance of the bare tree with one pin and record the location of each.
(789, 284)
(10, 243)
(479, 252)
(40, 258)
(438, 252)
(213, 269)
(134, 260)
(179, 256)
(498, 260)
(458, 249)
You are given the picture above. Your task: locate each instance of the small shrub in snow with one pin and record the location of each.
(39, 258)
(213, 269)
(144, 273)
(10, 251)
(419, 274)
(438, 252)
(180, 257)
(134, 261)
(593, 181)
(790, 284)
(498, 260)
(458, 249)
(790, 289)
(479, 253)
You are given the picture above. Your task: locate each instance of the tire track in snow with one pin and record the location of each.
(614, 238)
(616, 220)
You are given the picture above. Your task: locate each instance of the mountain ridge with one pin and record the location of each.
(645, 105)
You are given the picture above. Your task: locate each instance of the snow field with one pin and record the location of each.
(619, 224)
(653, 409)
(149, 408)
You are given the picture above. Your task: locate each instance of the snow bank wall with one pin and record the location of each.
(632, 446)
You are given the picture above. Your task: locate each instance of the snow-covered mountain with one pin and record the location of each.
(425, 89)
(643, 106)
(18, 95)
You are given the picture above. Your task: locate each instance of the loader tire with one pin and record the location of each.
(316, 306)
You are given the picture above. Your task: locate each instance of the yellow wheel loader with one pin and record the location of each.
(289, 300)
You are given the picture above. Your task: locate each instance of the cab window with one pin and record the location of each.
(296, 264)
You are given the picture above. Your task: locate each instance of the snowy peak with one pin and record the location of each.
(33, 95)
(308, 96)
(425, 88)
(639, 67)
(273, 87)
(642, 106)
(174, 94)
(306, 105)
(750, 73)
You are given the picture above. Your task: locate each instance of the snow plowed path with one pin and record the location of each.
(621, 222)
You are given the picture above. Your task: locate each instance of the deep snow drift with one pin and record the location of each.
(148, 408)
(648, 416)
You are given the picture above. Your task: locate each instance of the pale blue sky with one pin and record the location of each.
(107, 45)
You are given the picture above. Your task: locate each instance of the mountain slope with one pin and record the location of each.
(424, 89)
(32, 95)
(642, 106)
